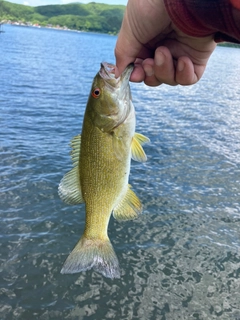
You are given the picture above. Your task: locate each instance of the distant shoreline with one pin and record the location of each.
(20, 24)
(16, 24)
(59, 28)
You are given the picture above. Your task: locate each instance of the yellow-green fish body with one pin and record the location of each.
(102, 157)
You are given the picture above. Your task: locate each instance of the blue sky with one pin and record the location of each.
(46, 2)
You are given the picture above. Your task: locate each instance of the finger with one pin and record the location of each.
(188, 73)
(150, 78)
(161, 69)
(138, 74)
(164, 69)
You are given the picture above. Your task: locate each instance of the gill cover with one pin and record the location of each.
(109, 100)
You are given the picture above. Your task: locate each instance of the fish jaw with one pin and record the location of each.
(107, 72)
(118, 86)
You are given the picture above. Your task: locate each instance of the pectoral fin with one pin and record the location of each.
(138, 153)
(118, 147)
(69, 188)
(129, 206)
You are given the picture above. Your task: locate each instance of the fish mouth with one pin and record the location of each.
(119, 90)
(107, 72)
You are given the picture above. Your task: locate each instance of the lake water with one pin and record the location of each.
(181, 258)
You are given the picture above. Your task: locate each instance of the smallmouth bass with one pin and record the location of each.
(101, 158)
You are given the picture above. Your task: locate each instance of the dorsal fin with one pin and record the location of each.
(75, 152)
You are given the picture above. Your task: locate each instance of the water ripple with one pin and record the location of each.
(181, 258)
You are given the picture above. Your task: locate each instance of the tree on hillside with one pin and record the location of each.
(90, 17)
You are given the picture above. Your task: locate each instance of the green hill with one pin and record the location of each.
(96, 17)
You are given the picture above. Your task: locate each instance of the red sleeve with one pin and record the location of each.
(199, 18)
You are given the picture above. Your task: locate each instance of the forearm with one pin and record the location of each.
(199, 18)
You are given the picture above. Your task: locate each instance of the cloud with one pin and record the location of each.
(26, 3)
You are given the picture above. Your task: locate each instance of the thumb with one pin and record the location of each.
(127, 48)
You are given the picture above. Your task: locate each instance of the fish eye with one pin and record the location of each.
(96, 93)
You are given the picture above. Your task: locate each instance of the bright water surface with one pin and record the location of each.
(181, 258)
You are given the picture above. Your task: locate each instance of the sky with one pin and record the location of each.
(46, 2)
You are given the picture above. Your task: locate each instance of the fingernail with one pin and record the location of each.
(159, 59)
(148, 70)
(180, 65)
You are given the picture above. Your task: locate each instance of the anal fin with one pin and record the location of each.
(129, 206)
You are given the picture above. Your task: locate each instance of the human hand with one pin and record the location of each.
(160, 51)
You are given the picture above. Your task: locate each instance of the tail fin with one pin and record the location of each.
(96, 254)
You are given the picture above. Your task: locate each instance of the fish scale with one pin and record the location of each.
(101, 170)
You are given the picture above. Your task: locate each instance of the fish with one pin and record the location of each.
(101, 158)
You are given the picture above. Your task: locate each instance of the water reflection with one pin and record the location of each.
(180, 259)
